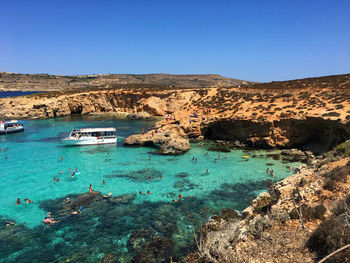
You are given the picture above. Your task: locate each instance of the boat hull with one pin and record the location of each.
(12, 130)
(89, 141)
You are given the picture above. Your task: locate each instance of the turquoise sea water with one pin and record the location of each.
(142, 228)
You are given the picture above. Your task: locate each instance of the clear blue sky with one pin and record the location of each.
(258, 40)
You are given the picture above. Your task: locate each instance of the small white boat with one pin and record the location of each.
(91, 136)
(10, 127)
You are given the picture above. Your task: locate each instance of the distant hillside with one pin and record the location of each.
(45, 82)
(332, 81)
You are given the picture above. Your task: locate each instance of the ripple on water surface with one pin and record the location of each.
(149, 226)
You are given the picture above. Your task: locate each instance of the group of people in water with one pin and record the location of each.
(19, 202)
(3, 149)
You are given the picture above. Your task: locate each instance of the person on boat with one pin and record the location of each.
(18, 201)
(28, 201)
(103, 181)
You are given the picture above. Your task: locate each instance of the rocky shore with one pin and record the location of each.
(299, 219)
(289, 223)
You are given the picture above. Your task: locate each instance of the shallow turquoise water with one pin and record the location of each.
(33, 159)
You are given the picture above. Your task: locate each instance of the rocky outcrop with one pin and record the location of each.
(171, 140)
(315, 134)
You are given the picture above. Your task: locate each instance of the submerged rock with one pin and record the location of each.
(123, 199)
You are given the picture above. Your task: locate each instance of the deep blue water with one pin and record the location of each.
(6, 94)
(133, 227)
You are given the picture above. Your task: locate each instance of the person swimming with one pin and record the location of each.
(180, 196)
(18, 201)
(61, 158)
(149, 178)
(103, 181)
(207, 171)
(107, 195)
(149, 192)
(267, 170)
(141, 193)
(61, 172)
(149, 157)
(28, 201)
(54, 178)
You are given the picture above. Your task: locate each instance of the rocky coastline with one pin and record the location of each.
(310, 122)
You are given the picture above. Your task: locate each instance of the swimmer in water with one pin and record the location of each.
(225, 156)
(54, 178)
(271, 172)
(103, 181)
(267, 170)
(72, 174)
(219, 156)
(18, 201)
(215, 160)
(61, 172)
(180, 196)
(61, 158)
(290, 168)
(149, 157)
(149, 192)
(57, 180)
(70, 169)
(206, 153)
(141, 193)
(149, 178)
(207, 171)
(28, 201)
(107, 195)
(175, 200)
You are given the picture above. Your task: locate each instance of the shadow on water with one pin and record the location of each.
(140, 175)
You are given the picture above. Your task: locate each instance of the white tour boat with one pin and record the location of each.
(91, 136)
(10, 126)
